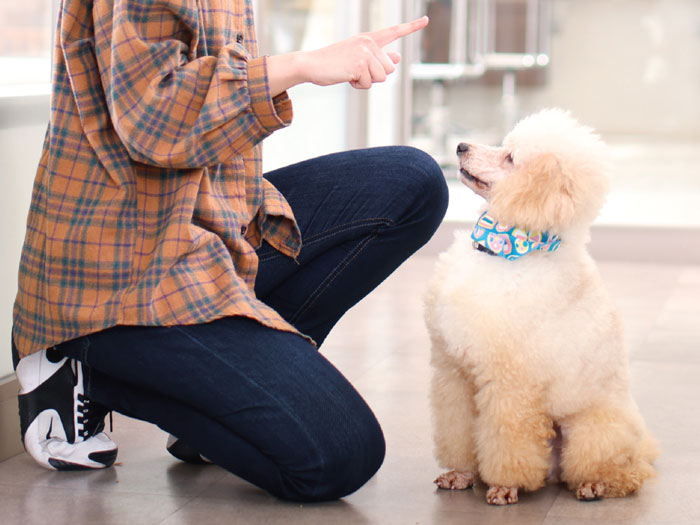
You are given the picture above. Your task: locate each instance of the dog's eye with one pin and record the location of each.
(509, 158)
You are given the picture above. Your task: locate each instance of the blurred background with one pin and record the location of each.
(628, 68)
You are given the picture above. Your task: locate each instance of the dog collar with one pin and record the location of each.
(508, 242)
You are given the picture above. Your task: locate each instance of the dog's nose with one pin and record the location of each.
(462, 147)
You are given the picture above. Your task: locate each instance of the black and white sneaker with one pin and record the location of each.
(184, 452)
(62, 429)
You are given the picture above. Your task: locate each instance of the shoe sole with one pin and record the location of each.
(106, 459)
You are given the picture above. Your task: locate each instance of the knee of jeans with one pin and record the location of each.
(341, 464)
(428, 185)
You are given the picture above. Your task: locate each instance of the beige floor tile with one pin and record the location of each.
(667, 395)
(215, 511)
(668, 345)
(690, 275)
(41, 505)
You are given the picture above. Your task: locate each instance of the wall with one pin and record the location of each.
(20, 148)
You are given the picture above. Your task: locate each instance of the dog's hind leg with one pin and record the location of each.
(453, 412)
(607, 450)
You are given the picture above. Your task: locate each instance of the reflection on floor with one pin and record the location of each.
(382, 346)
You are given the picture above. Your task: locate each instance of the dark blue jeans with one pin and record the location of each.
(265, 404)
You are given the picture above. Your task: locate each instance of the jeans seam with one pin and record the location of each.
(333, 231)
(347, 226)
(329, 280)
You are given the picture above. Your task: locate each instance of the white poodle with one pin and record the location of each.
(525, 338)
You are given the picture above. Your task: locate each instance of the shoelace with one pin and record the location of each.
(92, 417)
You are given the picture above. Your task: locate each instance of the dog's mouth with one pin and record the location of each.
(468, 177)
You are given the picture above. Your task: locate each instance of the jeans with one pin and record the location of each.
(265, 404)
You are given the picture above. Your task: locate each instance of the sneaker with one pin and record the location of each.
(184, 452)
(62, 429)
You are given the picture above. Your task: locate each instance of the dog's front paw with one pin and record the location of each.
(455, 480)
(588, 491)
(502, 495)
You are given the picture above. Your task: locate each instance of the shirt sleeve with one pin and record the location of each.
(169, 106)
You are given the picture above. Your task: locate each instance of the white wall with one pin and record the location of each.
(20, 148)
(625, 67)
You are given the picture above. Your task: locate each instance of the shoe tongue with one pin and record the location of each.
(94, 413)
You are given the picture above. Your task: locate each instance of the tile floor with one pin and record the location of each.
(382, 346)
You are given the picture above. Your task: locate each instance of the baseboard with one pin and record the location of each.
(642, 244)
(646, 244)
(10, 444)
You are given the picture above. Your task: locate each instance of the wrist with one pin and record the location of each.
(286, 71)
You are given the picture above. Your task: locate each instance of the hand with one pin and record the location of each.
(359, 60)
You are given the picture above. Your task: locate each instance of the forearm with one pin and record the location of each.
(359, 60)
(286, 71)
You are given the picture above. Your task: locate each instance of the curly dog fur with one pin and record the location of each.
(522, 347)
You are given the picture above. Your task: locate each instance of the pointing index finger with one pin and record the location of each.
(387, 35)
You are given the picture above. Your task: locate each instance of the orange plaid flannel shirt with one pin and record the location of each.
(149, 199)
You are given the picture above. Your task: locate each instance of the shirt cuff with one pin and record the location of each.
(272, 113)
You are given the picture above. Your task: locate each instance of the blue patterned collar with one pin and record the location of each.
(508, 242)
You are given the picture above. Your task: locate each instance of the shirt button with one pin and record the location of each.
(239, 38)
(244, 229)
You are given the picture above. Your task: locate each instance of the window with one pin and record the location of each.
(25, 46)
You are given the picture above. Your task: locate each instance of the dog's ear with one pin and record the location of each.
(538, 196)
